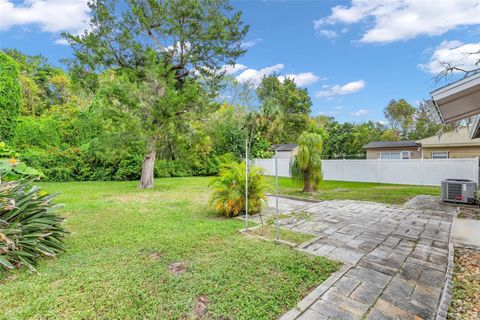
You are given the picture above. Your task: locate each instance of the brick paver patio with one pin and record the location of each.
(395, 259)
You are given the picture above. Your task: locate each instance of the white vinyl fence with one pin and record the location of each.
(413, 171)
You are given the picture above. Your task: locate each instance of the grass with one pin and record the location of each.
(121, 243)
(269, 232)
(366, 191)
(466, 285)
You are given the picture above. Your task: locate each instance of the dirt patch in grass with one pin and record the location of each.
(389, 187)
(142, 197)
(155, 255)
(177, 268)
(466, 285)
(469, 213)
(201, 307)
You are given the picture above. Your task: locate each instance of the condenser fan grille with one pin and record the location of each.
(454, 191)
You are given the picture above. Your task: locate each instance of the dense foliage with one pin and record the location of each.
(29, 226)
(10, 95)
(147, 95)
(228, 196)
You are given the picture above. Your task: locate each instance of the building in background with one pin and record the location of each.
(453, 144)
(407, 149)
(285, 150)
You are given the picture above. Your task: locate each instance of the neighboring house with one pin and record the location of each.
(453, 144)
(285, 150)
(407, 149)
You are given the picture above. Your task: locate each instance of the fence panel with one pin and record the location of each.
(413, 171)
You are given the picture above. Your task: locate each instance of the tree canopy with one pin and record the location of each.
(10, 95)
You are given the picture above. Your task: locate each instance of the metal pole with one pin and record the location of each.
(276, 199)
(246, 184)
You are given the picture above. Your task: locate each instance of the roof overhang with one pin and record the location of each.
(474, 129)
(456, 101)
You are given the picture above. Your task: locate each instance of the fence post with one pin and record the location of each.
(422, 173)
(379, 176)
(476, 171)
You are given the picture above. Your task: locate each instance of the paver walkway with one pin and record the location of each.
(395, 259)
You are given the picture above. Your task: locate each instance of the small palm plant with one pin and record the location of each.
(307, 164)
(228, 196)
(29, 225)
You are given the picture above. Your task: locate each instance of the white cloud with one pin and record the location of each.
(455, 53)
(329, 34)
(250, 43)
(232, 69)
(254, 76)
(302, 79)
(338, 108)
(50, 15)
(404, 19)
(359, 113)
(333, 90)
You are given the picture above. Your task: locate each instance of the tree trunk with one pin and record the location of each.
(307, 184)
(148, 165)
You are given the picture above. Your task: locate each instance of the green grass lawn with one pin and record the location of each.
(122, 241)
(367, 191)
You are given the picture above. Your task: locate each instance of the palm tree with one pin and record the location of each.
(307, 164)
(228, 195)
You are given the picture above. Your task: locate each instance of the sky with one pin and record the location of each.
(353, 57)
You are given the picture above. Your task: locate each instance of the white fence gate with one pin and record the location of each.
(413, 171)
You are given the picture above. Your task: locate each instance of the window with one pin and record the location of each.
(395, 155)
(440, 155)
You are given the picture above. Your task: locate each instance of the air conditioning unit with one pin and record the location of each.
(459, 190)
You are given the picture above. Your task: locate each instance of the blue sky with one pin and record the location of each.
(352, 56)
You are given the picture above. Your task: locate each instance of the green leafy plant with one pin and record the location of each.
(29, 225)
(228, 196)
(13, 169)
(307, 164)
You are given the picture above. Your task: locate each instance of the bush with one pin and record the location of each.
(41, 132)
(29, 226)
(228, 196)
(171, 168)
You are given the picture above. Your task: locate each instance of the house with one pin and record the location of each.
(453, 144)
(407, 149)
(285, 150)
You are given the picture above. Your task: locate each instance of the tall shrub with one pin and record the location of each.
(10, 95)
(307, 164)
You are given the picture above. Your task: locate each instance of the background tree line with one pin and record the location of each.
(146, 95)
(72, 133)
